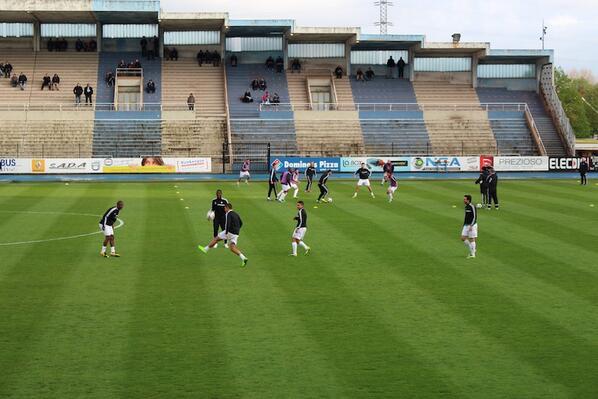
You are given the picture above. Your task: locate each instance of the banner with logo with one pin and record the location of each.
(351, 164)
(564, 163)
(516, 164)
(301, 163)
(15, 165)
(440, 164)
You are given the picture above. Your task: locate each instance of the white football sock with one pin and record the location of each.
(207, 248)
(473, 247)
(113, 250)
(296, 193)
(294, 245)
(467, 244)
(243, 257)
(103, 249)
(303, 245)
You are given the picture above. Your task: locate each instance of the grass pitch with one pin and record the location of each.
(386, 305)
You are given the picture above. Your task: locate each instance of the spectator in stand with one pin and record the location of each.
(270, 63)
(173, 54)
(14, 81)
(93, 45)
(63, 44)
(279, 64)
(150, 49)
(401, 66)
(296, 65)
(390, 66)
(7, 69)
(247, 98)
(275, 99)
(359, 75)
(79, 46)
(191, 102)
(137, 64)
(255, 84)
(338, 72)
(77, 91)
(150, 87)
(88, 91)
(233, 60)
(266, 98)
(143, 44)
(46, 82)
(200, 57)
(22, 81)
(1, 69)
(262, 84)
(55, 82)
(216, 59)
(156, 42)
(121, 64)
(50, 45)
(369, 74)
(109, 79)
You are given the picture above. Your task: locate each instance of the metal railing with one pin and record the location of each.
(555, 107)
(70, 107)
(392, 107)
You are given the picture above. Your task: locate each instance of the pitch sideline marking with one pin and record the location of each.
(4, 244)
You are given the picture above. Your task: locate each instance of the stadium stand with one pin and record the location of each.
(126, 138)
(383, 91)
(395, 137)
(22, 61)
(297, 88)
(548, 133)
(206, 83)
(238, 81)
(513, 136)
(201, 136)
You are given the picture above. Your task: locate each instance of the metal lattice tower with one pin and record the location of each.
(383, 22)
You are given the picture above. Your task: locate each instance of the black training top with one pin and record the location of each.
(301, 218)
(218, 207)
(471, 215)
(109, 217)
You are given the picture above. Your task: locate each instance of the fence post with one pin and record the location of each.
(268, 154)
(427, 148)
(462, 147)
(223, 157)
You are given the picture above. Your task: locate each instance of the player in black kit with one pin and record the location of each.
(300, 229)
(492, 184)
(218, 205)
(273, 179)
(310, 173)
(483, 186)
(323, 187)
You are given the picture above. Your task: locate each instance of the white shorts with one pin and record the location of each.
(294, 185)
(107, 230)
(244, 174)
(470, 231)
(232, 238)
(392, 189)
(286, 187)
(299, 233)
(363, 182)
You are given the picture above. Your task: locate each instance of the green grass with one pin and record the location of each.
(385, 306)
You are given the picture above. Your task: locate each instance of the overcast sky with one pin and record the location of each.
(572, 24)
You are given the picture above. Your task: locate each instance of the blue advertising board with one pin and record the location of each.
(302, 163)
(401, 164)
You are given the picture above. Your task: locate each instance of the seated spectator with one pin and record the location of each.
(296, 65)
(216, 58)
(359, 75)
(247, 98)
(233, 60)
(7, 69)
(200, 57)
(14, 81)
(275, 99)
(338, 72)
(79, 46)
(171, 54)
(22, 81)
(50, 45)
(150, 87)
(369, 74)
(270, 63)
(255, 84)
(93, 45)
(62, 44)
(191, 102)
(55, 82)
(262, 84)
(121, 64)
(279, 64)
(109, 79)
(266, 98)
(136, 64)
(46, 82)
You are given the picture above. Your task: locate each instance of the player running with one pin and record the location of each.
(107, 227)
(469, 233)
(388, 168)
(295, 182)
(219, 221)
(322, 186)
(300, 229)
(364, 180)
(273, 179)
(310, 173)
(394, 184)
(285, 182)
(232, 229)
(244, 173)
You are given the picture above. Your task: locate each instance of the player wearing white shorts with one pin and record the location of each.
(364, 180)
(285, 182)
(295, 182)
(469, 234)
(232, 229)
(300, 229)
(107, 227)
(244, 173)
(392, 187)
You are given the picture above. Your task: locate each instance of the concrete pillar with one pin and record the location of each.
(223, 44)
(411, 64)
(474, 71)
(348, 57)
(161, 38)
(285, 52)
(36, 41)
(99, 26)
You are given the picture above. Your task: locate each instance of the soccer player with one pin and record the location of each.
(310, 173)
(469, 234)
(492, 183)
(364, 180)
(107, 227)
(388, 168)
(285, 181)
(244, 173)
(394, 184)
(483, 186)
(232, 229)
(273, 179)
(295, 182)
(322, 186)
(583, 171)
(300, 229)
(219, 221)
